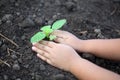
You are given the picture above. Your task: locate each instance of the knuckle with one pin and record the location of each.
(43, 47)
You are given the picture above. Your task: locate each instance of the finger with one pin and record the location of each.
(58, 33)
(43, 42)
(42, 47)
(59, 40)
(48, 61)
(47, 43)
(41, 52)
(42, 57)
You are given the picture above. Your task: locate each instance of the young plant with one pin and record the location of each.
(47, 30)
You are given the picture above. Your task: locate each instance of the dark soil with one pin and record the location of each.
(20, 19)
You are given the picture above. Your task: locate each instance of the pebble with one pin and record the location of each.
(0, 22)
(42, 67)
(27, 23)
(16, 67)
(18, 79)
(5, 77)
(100, 36)
(57, 2)
(88, 56)
(70, 6)
(97, 30)
(20, 60)
(23, 37)
(38, 77)
(34, 15)
(8, 22)
(26, 66)
(50, 22)
(39, 21)
(7, 17)
(16, 4)
(13, 56)
(17, 13)
(58, 77)
(54, 17)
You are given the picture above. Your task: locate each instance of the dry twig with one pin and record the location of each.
(4, 62)
(9, 40)
(10, 50)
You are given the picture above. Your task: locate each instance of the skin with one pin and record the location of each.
(62, 52)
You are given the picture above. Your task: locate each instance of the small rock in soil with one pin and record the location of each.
(39, 21)
(23, 37)
(8, 22)
(7, 17)
(100, 62)
(18, 79)
(5, 77)
(57, 2)
(58, 77)
(50, 22)
(26, 65)
(100, 36)
(70, 6)
(17, 13)
(38, 77)
(54, 17)
(27, 23)
(42, 67)
(16, 4)
(88, 56)
(0, 22)
(97, 30)
(13, 56)
(16, 67)
(20, 60)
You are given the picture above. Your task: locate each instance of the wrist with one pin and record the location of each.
(75, 63)
(81, 45)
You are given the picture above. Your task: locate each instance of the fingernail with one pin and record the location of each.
(33, 48)
(33, 43)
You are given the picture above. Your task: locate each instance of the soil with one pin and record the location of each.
(20, 19)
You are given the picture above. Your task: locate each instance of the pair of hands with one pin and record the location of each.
(61, 54)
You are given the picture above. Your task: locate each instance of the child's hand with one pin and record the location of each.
(67, 38)
(58, 55)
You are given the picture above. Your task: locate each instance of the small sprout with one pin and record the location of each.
(52, 37)
(47, 30)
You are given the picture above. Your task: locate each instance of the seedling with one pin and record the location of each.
(47, 30)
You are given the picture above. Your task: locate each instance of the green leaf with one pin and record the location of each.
(58, 24)
(37, 37)
(44, 28)
(52, 37)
